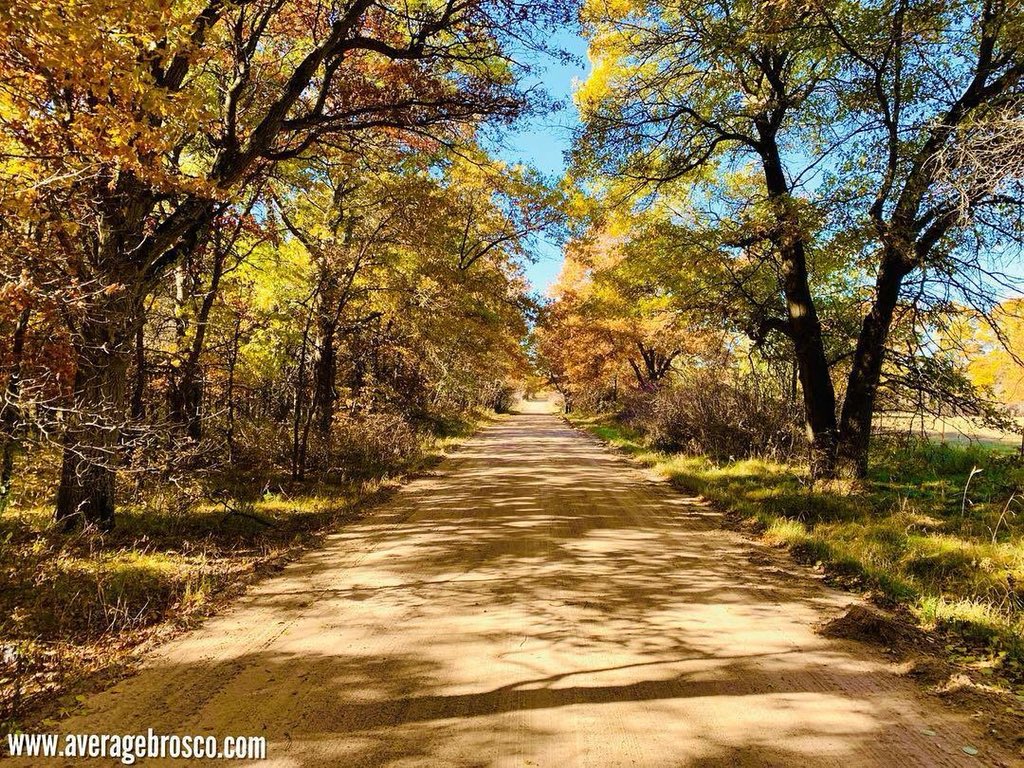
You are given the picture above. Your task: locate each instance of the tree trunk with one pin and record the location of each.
(103, 340)
(232, 362)
(139, 387)
(656, 366)
(300, 435)
(87, 479)
(186, 402)
(186, 392)
(813, 369)
(324, 374)
(10, 411)
(862, 386)
(803, 325)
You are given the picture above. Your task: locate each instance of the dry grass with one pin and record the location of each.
(950, 429)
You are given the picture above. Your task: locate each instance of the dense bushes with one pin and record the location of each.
(369, 445)
(722, 418)
(499, 396)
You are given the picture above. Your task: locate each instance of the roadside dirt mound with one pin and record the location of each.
(871, 626)
(998, 713)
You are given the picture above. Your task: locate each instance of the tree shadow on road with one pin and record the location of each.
(539, 603)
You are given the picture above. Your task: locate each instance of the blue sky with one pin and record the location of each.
(542, 142)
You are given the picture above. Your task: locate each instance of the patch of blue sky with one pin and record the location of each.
(544, 141)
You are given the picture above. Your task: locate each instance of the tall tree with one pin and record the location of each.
(613, 325)
(852, 113)
(128, 126)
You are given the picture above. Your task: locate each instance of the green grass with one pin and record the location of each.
(952, 429)
(909, 533)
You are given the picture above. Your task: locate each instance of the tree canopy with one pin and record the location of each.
(825, 172)
(159, 161)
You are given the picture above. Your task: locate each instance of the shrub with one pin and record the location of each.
(723, 419)
(367, 445)
(499, 396)
(262, 445)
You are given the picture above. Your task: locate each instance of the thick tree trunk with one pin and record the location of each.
(859, 405)
(87, 479)
(10, 411)
(324, 374)
(812, 366)
(104, 343)
(803, 324)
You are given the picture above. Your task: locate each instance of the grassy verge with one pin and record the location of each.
(76, 609)
(935, 529)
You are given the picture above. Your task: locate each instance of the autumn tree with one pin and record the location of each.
(992, 347)
(127, 129)
(395, 227)
(612, 324)
(871, 126)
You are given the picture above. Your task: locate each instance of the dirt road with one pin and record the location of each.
(538, 603)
